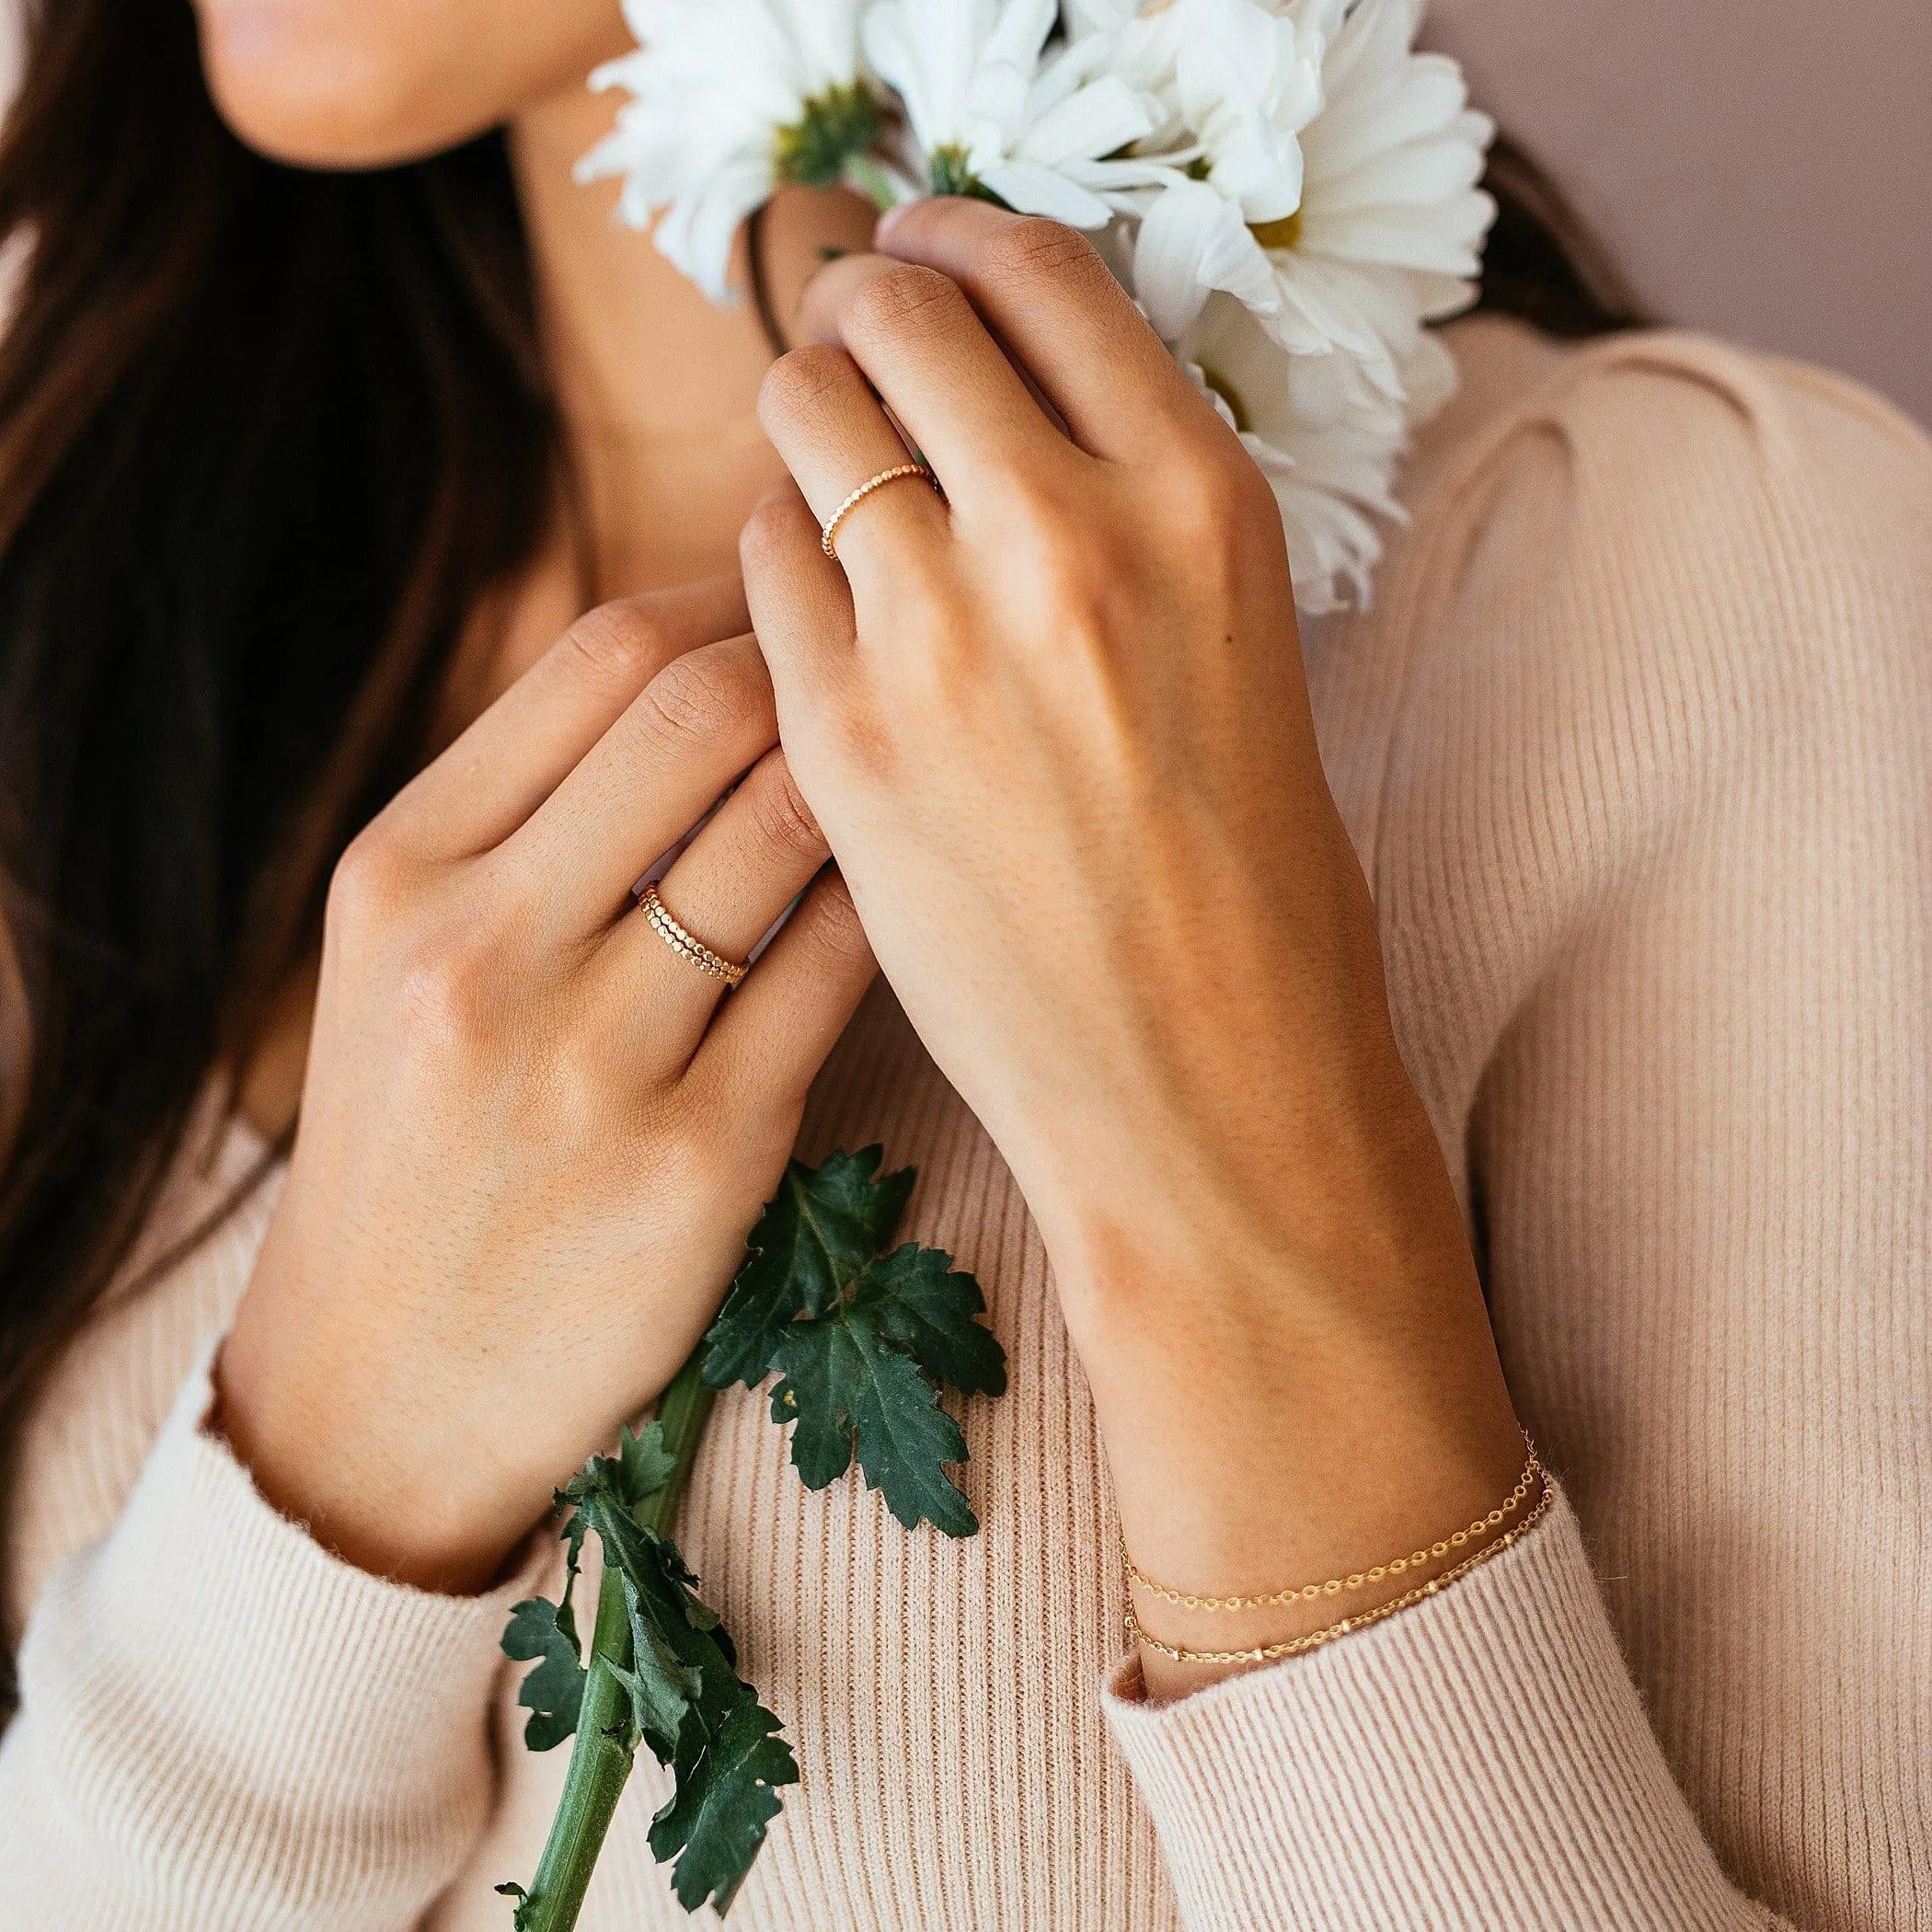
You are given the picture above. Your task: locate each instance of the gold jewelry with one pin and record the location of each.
(829, 529)
(687, 946)
(1334, 1586)
(1296, 1646)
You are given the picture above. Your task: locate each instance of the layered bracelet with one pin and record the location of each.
(1531, 1477)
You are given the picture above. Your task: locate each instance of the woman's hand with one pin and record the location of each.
(1056, 730)
(533, 1137)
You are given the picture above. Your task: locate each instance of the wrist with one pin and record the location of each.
(1186, 1639)
(1285, 1398)
(339, 1434)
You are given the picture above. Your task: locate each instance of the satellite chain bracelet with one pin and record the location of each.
(1334, 1586)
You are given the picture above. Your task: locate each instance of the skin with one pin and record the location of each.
(1055, 732)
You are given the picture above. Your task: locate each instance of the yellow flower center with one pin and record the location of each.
(1283, 234)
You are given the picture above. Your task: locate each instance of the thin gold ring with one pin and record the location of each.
(829, 529)
(685, 944)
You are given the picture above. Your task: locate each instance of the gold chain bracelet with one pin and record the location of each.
(1356, 1579)
(1295, 1646)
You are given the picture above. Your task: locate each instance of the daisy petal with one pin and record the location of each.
(1192, 243)
(1032, 189)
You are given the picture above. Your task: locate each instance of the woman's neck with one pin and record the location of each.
(658, 385)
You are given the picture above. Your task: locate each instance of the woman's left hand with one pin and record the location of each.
(1056, 730)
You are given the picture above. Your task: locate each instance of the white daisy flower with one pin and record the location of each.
(730, 98)
(987, 114)
(1237, 80)
(1287, 187)
(1327, 438)
(1391, 224)
(1387, 224)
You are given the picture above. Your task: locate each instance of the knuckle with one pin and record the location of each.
(1072, 560)
(1036, 246)
(906, 294)
(1215, 506)
(1039, 513)
(370, 883)
(836, 930)
(620, 643)
(1212, 485)
(800, 382)
(577, 1069)
(446, 996)
(706, 692)
(784, 820)
(772, 533)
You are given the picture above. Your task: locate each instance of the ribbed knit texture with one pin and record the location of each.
(1636, 747)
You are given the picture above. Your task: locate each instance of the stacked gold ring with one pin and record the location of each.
(685, 944)
(828, 530)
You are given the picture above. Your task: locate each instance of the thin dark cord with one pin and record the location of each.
(761, 287)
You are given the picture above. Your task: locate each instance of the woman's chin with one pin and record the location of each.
(318, 101)
(358, 84)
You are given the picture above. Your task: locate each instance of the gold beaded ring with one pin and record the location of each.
(686, 945)
(829, 530)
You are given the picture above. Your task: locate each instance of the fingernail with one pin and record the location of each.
(890, 220)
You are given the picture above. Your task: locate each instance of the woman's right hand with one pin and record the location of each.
(533, 1137)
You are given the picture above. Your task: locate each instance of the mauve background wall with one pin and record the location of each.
(1763, 168)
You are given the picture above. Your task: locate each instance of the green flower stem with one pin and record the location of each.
(869, 178)
(602, 1752)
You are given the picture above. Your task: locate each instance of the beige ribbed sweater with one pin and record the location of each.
(1635, 748)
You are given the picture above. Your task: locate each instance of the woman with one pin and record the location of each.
(1576, 897)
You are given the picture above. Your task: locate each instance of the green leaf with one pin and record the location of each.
(844, 1382)
(855, 1332)
(553, 1692)
(863, 1341)
(646, 1464)
(662, 1671)
(687, 1701)
(661, 1685)
(926, 1305)
(726, 1772)
(815, 1238)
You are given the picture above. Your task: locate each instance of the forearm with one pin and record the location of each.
(1297, 1386)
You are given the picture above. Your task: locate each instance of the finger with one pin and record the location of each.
(479, 790)
(703, 721)
(915, 335)
(779, 1027)
(801, 605)
(824, 420)
(1052, 301)
(727, 888)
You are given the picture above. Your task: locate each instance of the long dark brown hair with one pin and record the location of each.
(267, 438)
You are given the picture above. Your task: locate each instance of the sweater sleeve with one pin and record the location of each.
(1482, 1761)
(223, 1726)
(1654, 831)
